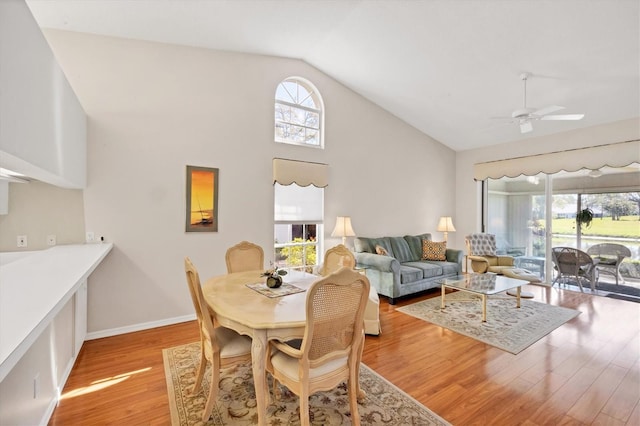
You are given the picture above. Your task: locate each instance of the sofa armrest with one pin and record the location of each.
(455, 256)
(379, 262)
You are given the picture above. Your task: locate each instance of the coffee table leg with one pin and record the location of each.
(518, 297)
(484, 308)
(442, 298)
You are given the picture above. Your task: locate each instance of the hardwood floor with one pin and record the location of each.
(585, 372)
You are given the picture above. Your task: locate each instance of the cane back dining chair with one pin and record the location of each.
(571, 263)
(610, 257)
(244, 256)
(336, 258)
(330, 350)
(218, 345)
(340, 256)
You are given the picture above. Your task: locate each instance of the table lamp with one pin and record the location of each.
(343, 229)
(446, 225)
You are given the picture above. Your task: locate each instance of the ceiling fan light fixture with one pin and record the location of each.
(526, 115)
(595, 173)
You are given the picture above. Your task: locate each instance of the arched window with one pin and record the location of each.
(298, 113)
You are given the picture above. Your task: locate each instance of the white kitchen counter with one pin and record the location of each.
(34, 287)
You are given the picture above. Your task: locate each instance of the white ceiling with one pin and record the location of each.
(445, 67)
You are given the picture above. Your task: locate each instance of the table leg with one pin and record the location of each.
(484, 308)
(258, 362)
(518, 297)
(442, 297)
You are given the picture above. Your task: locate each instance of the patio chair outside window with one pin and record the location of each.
(610, 257)
(574, 264)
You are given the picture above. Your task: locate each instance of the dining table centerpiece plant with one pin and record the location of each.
(274, 276)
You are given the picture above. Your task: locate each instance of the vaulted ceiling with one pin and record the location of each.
(447, 67)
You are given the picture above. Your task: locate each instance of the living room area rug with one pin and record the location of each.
(507, 327)
(384, 404)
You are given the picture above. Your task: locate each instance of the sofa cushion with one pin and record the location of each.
(363, 245)
(409, 274)
(415, 245)
(401, 250)
(448, 268)
(432, 250)
(428, 269)
(382, 242)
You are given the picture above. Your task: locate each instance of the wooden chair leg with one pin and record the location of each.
(304, 409)
(353, 400)
(201, 368)
(213, 389)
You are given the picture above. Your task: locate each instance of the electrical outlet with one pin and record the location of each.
(91, 237)
(22, 240)
(51, 240)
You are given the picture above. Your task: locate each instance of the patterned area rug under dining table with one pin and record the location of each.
(508, 328)
(385, 404)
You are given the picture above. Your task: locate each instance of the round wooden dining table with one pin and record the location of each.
(263, 318)
(246, 310)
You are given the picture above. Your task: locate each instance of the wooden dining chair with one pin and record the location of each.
(244, 256)
(335, 258)
(329, 352)
(218, 345)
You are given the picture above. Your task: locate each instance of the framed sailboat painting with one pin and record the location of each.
(202, 199)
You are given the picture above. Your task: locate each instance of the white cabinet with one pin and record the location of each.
(79, 317)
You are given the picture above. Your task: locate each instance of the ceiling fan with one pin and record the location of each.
(526, 115)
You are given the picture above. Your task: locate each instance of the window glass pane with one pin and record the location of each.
(286, 91)
(296, 246)
(298, 116)
(296, 133)
(291, 121)
(309, 102)
(283, 113)
(312, 137)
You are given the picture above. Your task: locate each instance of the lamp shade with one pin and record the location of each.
(446, 224)
(343, 228)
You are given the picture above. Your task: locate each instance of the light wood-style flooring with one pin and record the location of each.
(585, 372)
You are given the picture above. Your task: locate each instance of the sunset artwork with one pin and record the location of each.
(202, 199)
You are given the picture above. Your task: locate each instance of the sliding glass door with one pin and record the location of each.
(525, 217)
(516, 215)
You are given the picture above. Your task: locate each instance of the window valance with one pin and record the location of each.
(302, 173)
(612, 155)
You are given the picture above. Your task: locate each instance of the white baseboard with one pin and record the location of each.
(139, 327)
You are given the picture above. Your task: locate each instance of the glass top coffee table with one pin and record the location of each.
(483, 285)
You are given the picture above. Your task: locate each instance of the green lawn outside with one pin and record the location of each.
(626, 227)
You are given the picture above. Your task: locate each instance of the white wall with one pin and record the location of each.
(155, 108)
(43, 125)
(467, 190)
(38, 210)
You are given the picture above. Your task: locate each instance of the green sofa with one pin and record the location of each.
(402, 271)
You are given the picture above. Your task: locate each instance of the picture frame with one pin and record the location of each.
(202, 199)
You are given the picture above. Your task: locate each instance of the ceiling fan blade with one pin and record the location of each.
(563, 117)
(548, 110)
(525, 127)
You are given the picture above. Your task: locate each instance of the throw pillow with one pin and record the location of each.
(381, 251)
(432, 250)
